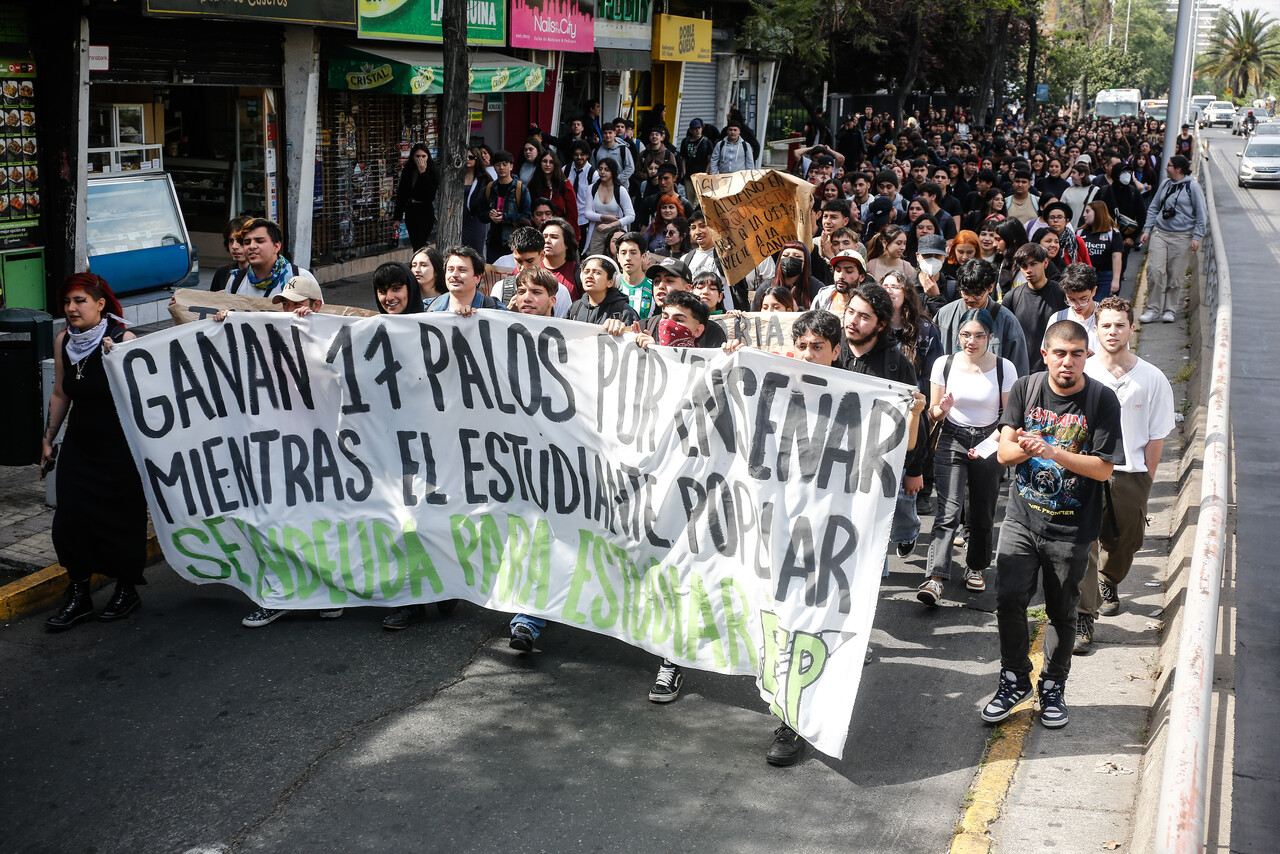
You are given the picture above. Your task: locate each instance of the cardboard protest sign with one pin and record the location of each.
(752, 213)
(193, 304)
(765, 330)
(492, 276)
(729, 512)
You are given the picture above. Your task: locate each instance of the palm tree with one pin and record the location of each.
(1244, 50)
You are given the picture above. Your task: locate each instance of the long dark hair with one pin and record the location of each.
(570, 235)
(614, 181)
(394, 273)
(437, 268)
(913, 237)
(880, 242)
(914, 318)
(800, 290)
(409, 175)
(539, 185)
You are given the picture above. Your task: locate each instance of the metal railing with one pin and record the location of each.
(1183, 790)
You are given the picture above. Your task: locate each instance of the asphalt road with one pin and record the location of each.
(1249, 220)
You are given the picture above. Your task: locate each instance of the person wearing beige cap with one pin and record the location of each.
(301, 295)
(848, 268)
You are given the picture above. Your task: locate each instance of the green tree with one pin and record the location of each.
(1244, 51)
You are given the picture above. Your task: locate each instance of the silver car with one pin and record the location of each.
(1237, 123)
(1260, 161)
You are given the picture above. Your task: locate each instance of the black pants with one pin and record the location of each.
(420, 220)
(958, 475)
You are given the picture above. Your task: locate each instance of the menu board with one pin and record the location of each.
(19, 169)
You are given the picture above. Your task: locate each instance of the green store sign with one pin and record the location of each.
(419, 20)
(359, 71)
(629, 11)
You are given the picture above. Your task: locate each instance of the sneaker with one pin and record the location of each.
(402, 618)
(667, 686)
(331, 614)
(1053, 706)
(974, 581)
(1149, 316)
(522, 640)
(1169, 317)
(1084, 634)
(959, 540)
(262, 616)
(786, 748)
(925, 504)
(1110, 599)
(930, 592)
(1013, 689)
(905, 549)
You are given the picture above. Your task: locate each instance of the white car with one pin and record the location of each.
(1218, 113)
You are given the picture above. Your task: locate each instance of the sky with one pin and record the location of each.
(1270, 7)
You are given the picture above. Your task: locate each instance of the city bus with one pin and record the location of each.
(1117, 103)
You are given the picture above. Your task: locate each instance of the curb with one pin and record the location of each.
(43, 589)
(996, 769)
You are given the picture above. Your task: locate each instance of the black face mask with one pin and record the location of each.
(792, 266)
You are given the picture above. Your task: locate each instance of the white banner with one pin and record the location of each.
(730, 513)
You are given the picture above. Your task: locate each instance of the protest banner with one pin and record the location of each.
(765, 330)
(729, 512)
(751, 214)
(191, 304)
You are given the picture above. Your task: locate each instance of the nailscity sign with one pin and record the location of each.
(553, 25)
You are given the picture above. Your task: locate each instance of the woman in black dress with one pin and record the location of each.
(416, 196)
(101, 521)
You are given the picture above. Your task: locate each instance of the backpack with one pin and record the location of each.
(936, 431)
(519, 189)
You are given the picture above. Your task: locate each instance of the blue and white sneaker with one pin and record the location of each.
(1053, 705)
(1013, 689)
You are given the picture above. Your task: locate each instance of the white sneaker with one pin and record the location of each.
(930, 592)
(331, 615)
(973, 580)
(1149, 316)
(1169, 317)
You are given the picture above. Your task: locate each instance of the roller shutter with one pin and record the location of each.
(697, 96)
(202, 53)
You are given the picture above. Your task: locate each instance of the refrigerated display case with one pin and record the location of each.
(118, 140)
(136, 236)
(204, 190)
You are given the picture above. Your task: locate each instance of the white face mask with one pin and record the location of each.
(1126, 178)
(931, 266)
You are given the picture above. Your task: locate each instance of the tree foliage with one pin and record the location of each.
(1244, 51)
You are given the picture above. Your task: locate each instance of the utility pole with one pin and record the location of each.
(1183, 48)
(1127, 16)
(454, 125)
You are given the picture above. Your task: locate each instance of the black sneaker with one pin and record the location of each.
(1084, 635)
(904, 549)
(1053, 705)
(1110, 599)
(924, 504)
(522, 638)
(786, 748)
(262, 617)
(1013, 689)
(667, 686)
(402, 618)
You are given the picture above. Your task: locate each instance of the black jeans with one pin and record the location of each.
(955, 473)
(1022, 560)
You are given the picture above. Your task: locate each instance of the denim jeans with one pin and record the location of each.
(1024, 559)
(535, 624)
(956, 474)
(906, 524)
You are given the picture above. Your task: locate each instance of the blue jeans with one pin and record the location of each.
(534, 624)
(906, 524)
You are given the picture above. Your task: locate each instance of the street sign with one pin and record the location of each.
(1042, 92)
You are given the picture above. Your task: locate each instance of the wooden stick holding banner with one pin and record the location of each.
(191, 304)
(752, 214)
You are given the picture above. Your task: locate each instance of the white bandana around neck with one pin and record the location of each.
(80, 344)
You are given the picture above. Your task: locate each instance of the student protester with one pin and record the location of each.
(850, 271)
(732, 153)
(923, 226)
(1079, 283)
(968, 392)
(777, 298)
(475, 205)
(1054, 265)
(1010, 236)
(794, 273)
(231, 243)
(267, 270)
(1105, 247)
(987, 240)
(1022, 203)
(1062, 431)
(601, 300)
(530, 157)
(1176, 223)
(609, 207)
(100, 523)
(508, 202)
(560, 253)
(635, 285)
(463, 270)
(581, 175)
(678, 240)
(1127, 207)
(931, 196)
(695, 155)
(919, 341)
(665, 212)
(676, 278)
(964, 248)
(1035, 303)
(617, 150)
(527, 246)
(709, 288)
(416, 196)
(886, 251)
(396, 289)
(931, 283)
(976, 281)
(427, 267)
(836, 214)
(1146, 417)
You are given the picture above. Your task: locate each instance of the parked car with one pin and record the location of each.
(1219, 113)
(1259, 162)
(1237, 123)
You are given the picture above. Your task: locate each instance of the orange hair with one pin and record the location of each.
(964, 237)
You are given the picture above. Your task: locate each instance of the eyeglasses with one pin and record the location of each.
(1078, 302)
(671, 232)
(892, 285)
(973, 336)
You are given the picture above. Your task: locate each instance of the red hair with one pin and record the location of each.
(96, 287)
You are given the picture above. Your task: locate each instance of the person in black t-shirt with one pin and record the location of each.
(1062, 431)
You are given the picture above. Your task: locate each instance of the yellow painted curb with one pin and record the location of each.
(995, 772)
(44, 588)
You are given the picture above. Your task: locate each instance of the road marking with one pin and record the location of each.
(996, 770)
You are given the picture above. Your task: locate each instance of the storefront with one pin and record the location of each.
(681, 57)
(624, 45)
(380, 99)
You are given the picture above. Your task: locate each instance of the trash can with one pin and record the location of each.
(26, 339)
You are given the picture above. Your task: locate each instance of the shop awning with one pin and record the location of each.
(420, 71)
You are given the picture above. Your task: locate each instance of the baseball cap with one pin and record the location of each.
(1086, 158)
(668, 169)
(298, 289)
(852, 255)
(674, 266)
(932, 244)
(824, 160)
(696, 123)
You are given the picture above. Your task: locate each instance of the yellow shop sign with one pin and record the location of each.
(680, 39)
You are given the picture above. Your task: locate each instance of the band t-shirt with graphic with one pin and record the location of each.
(1047, 498)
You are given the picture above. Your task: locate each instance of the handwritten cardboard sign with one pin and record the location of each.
(765, 330)
(192, 304)
(752, 213)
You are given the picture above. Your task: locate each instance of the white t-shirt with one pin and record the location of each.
(1146, 407)
(977, 401)
(1090, 325)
